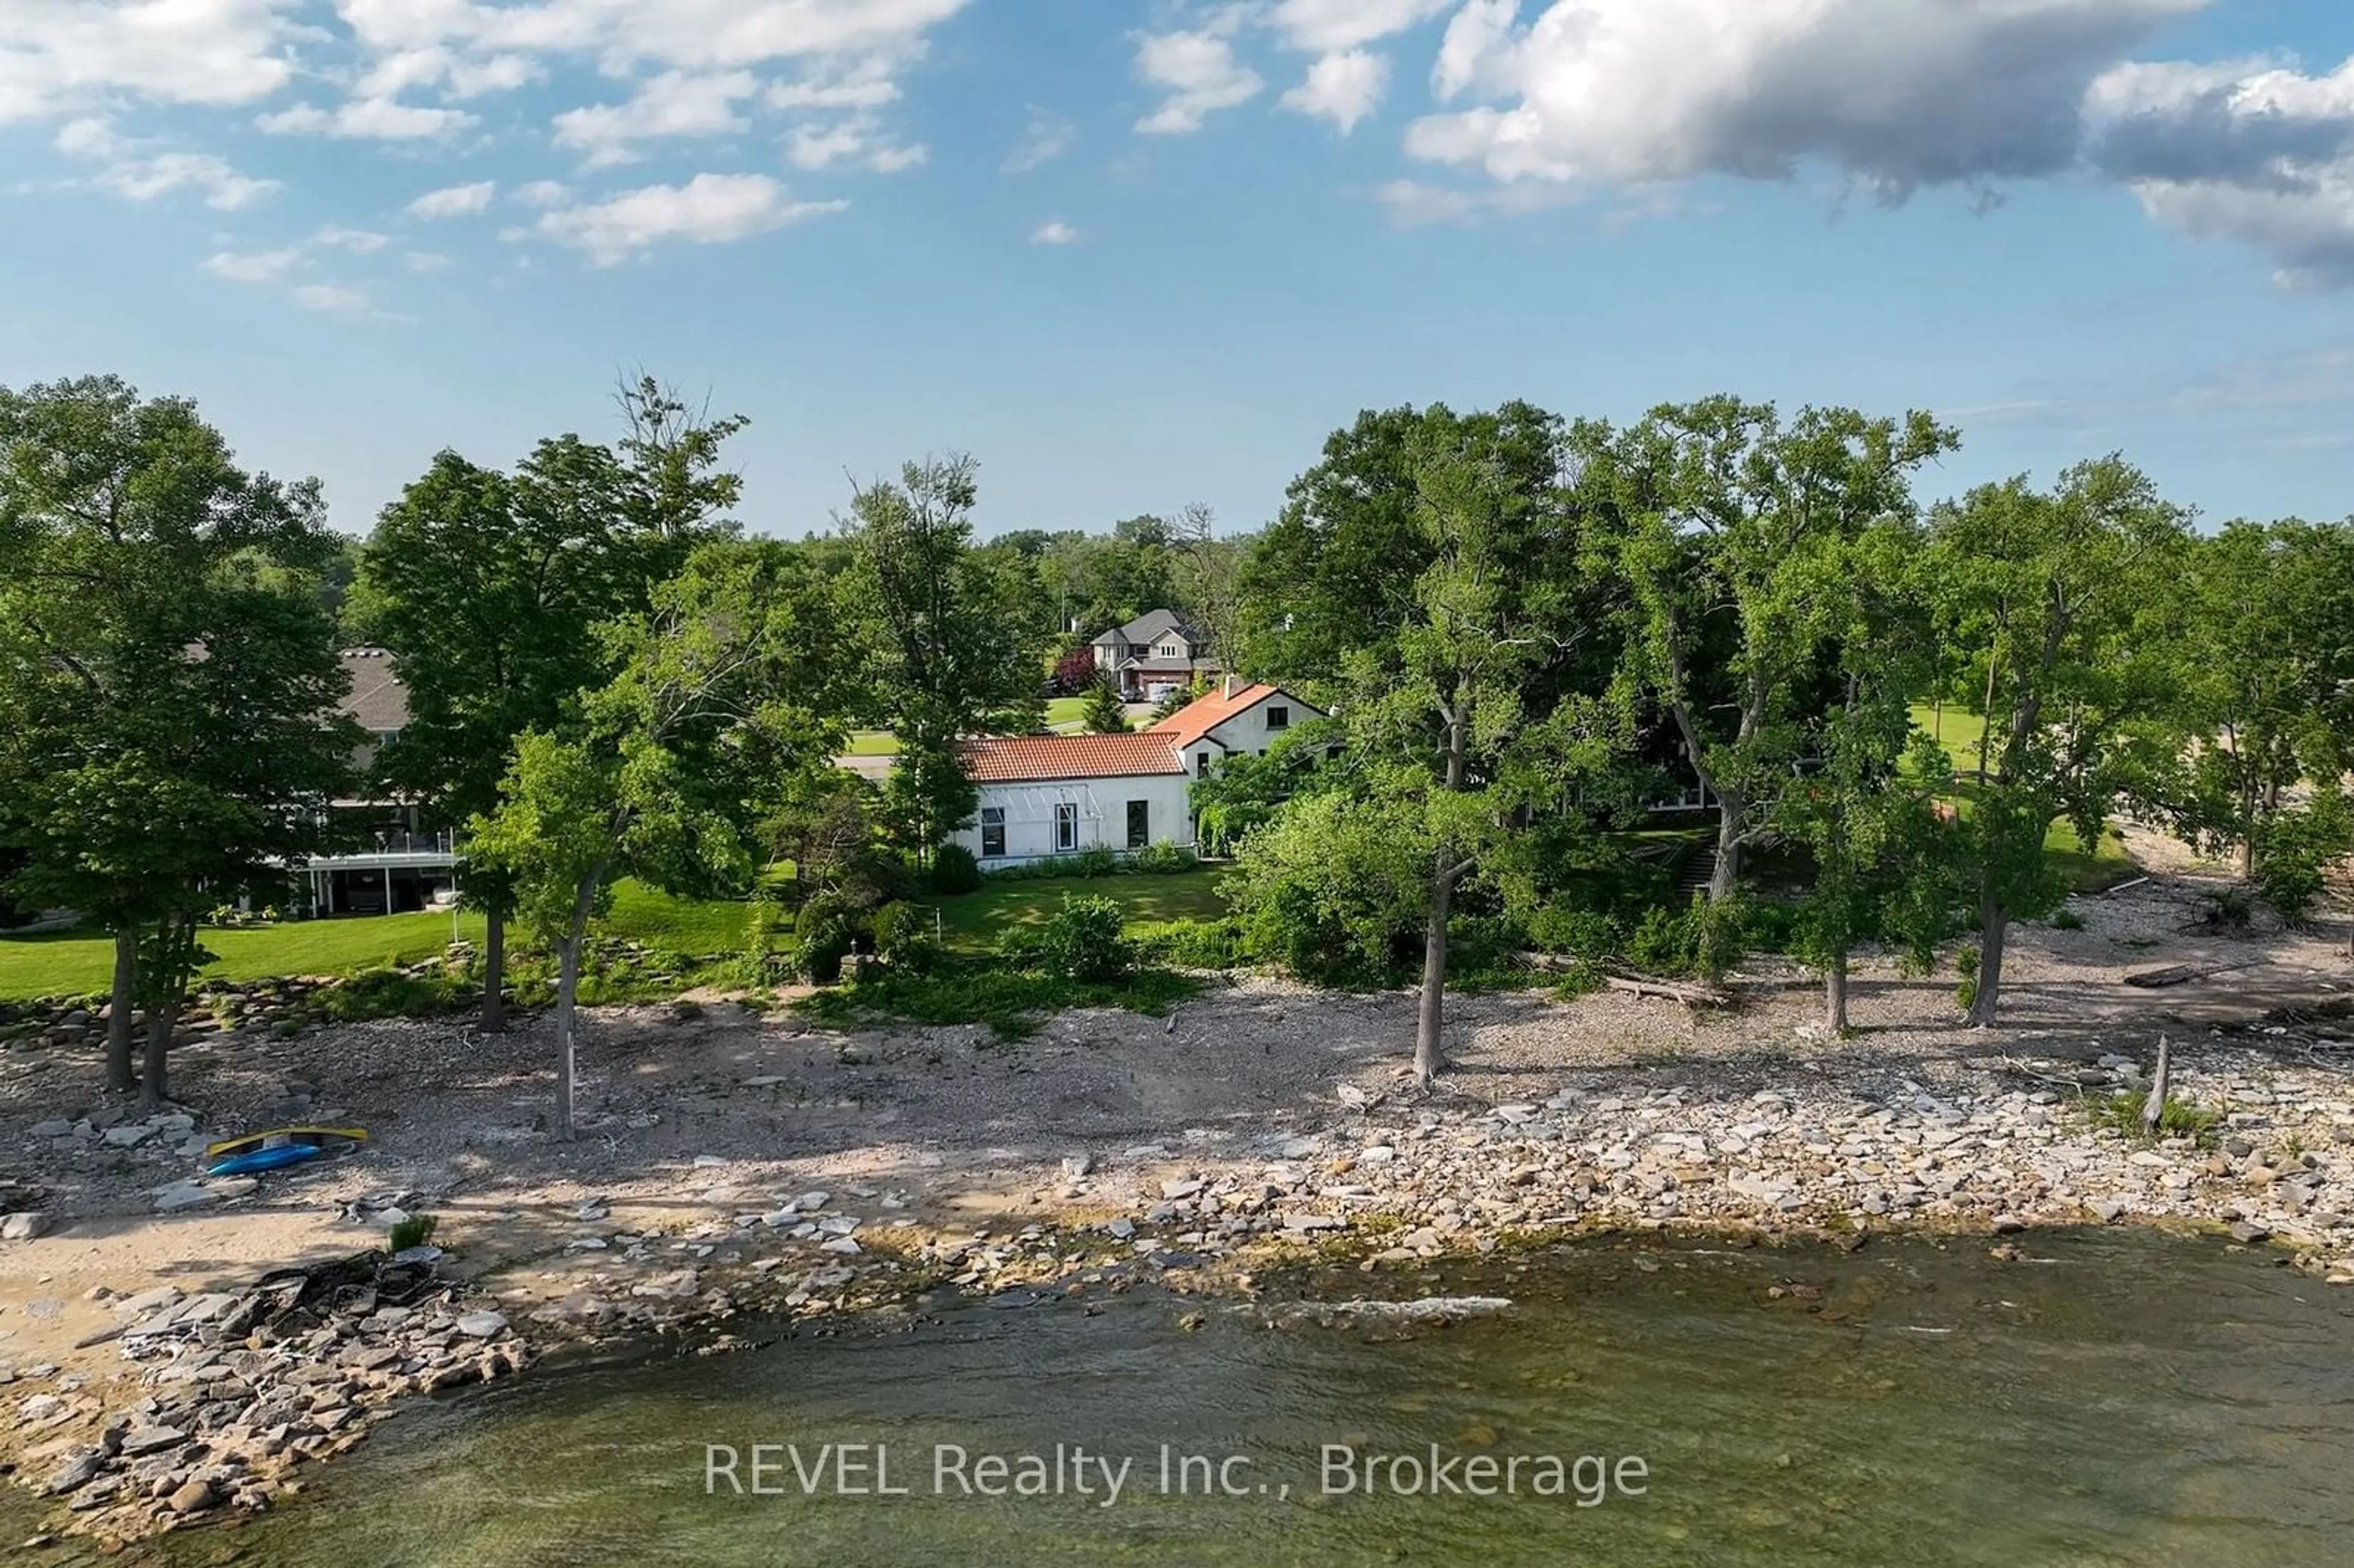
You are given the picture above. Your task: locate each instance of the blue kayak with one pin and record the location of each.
(265, 1159)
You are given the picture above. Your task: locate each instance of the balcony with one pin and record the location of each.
(391, 849)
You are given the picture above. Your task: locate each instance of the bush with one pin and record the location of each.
(1559, 928)
(2229, 910)
(1082, 941)
(2294, 852)
(2067, 920)
(1334, 890)
(903, 939)
(1164, 859)
(1008, 1001)
(1190, 943)
(415, 1230)
(390, 993)
(1702, 940)
(828, 929)
(955, 871)
(1094, 860)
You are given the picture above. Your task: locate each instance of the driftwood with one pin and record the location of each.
(2183, 974)
(1696, 995)
(2121, 887)
(1636, 985)
(2153, 1105)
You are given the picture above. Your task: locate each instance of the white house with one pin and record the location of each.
(1048, 794)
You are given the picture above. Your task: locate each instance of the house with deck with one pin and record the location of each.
(387, 862)
(1043, 796)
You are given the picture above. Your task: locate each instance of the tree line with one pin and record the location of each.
(1524, 625)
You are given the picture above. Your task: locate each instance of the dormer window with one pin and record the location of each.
(1278, 717)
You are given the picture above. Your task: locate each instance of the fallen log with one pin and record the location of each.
(1697, 995)
(2183, 974)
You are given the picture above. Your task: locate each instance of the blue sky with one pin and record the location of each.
(1136, 255)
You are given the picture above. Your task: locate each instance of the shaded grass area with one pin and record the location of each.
(971, 921)
(1064, 715)
(82, 962)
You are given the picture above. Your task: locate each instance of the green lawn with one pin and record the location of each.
(874, 743)
(971, 921)
(79, 963)
(1064, 715)
(2088, 872)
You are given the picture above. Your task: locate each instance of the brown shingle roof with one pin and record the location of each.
(1003, 759)
(378, 701)
(1202, 714)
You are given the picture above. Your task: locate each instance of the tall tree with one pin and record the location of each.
(1207, 579)
(1105, 714)
(1866, 808)
(168, 735)
(487, 588)
(725, 698)
(1718, 509)
(2268, 663)
(2070, 597)
(953, 636)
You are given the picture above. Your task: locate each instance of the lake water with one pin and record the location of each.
(2119, 1398)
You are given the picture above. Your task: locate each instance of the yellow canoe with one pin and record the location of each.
(229, 1147)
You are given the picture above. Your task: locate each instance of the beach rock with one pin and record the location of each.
(194, 1496)
(482, 1325)
(2247, 1232)
(25, 1225)
(151, 1440)
(1181, 1187)
(79, 1469)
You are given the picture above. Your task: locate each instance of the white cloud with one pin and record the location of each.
(57, 54)
(1894, 94)
(356, 241)
(1055, 233)
(2255, 151)
(253, 266)
(454, 201)
(143, 179)
(544, 193)
(1336, 26)
(709, 209)
(1199, 73)
(859, 140)
(331, 297)
(1475, 39)
(366, 119)
(1343, 88)
(458, 76)
(425, 260)
(863, 83)
(1047, 138)
(676, 103)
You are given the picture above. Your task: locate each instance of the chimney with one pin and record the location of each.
(1229, 686)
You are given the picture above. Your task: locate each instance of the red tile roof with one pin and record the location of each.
(1202, 714)
(999, 759)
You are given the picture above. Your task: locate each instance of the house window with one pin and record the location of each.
(992, 831)
(1201, 766)
(1278, 717)
(1171, 650)
(1140, 823)
(1066, 826)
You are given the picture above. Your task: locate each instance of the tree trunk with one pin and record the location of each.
(1732, 827)
(1986, 729)
(119, 1078)
(567, 988)
(494, 970)
(161, 1020)
(1429, 1059)
(2248, 854)
(1997, 922)
(1835, 996)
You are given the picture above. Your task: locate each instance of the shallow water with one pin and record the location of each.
(2121, 1399)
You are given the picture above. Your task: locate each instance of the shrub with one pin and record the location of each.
(1703, 940)
(415, 1230)
(2179, 1118)
(955, 871)
(904, 937)
(1164, 859)
(2294, 851)
(1007, 1000)
(1558, 927)
(2229, 910)
(1190, 943)
(1084, 940)
(390, 993)
(2067, 920)
(1094, 860)
(1335, 890)
(828, 929)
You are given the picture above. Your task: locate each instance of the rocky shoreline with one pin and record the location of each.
(237, 1390)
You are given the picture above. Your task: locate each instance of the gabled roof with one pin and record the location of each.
(1202, 714)
(1006, 759)
(1152, 624)
(377, 700)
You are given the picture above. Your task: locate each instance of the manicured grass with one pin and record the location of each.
(973, 922)
(2103, 867)
(874, 743)
(1067, 716)
(76, 962)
